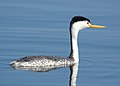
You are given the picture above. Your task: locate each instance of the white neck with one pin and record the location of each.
(74, 29)
(74, 45)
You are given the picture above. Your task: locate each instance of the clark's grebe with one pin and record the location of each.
(77, 23)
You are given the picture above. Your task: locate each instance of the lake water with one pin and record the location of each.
(40, 27)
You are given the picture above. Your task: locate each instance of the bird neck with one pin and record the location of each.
(74, 54)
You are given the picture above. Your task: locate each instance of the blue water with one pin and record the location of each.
(30, 27)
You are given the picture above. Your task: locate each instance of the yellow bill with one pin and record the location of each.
(96, 26)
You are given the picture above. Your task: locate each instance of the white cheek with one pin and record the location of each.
(80, 25)
(76, 25)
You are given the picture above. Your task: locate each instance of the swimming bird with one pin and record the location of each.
(77, 23)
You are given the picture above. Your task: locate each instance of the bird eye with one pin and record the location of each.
(87, 22)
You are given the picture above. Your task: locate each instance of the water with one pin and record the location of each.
(30, 27)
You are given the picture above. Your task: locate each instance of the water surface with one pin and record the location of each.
(30, 27)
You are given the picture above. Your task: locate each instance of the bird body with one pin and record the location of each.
(42, 61)
(77, 23)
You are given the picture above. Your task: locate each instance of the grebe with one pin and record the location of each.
(77, 23)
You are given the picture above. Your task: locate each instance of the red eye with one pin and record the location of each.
(87, 22)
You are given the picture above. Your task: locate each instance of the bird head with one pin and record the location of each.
(80, 22)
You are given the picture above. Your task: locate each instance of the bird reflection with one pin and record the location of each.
(73, 75)
(73, 70)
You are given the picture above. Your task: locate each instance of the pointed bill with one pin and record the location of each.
(96, 26)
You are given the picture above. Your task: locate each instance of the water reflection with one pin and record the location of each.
(73, 74)
(73, 71)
